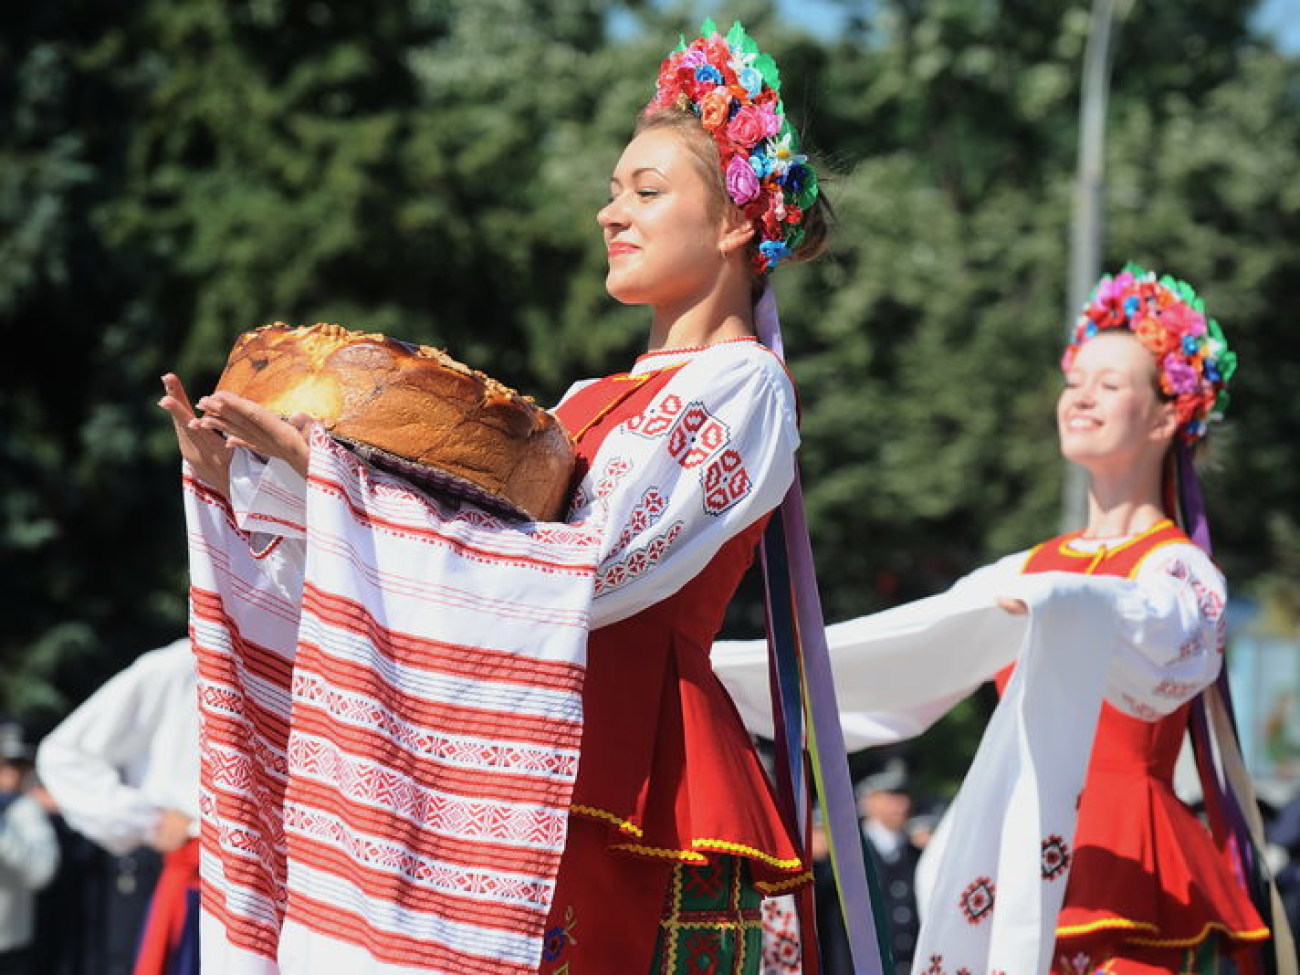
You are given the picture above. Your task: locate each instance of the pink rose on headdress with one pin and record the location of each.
(747, 127)
(1180, 376)
(742, 184)
(1183, 320)
(714, 108)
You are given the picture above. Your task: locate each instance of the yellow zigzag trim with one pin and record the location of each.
(1067, 930)
(716, 846)
(1256, 934)
(796, 881)
(659, 851)
(623, 824)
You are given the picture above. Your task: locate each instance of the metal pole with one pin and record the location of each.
(1087, 229)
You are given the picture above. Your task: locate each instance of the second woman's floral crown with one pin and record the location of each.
(1192, 356)
(735, 89)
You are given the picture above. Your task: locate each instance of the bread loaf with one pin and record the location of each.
(413, 408)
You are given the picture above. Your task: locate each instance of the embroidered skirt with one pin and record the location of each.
(712, 921)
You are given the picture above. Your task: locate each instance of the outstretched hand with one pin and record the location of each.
(230, 421)
(1016, 607)
(204, 450)
(248, 424)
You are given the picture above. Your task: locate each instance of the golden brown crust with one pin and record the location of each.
(413, 401)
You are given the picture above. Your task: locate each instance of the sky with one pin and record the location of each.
(1278, 17)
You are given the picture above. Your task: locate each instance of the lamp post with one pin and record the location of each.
(1087, 228)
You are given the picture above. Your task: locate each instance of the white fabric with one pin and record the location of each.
(712, 453)
(433, 654)
(1146, 645)
(29, 855)
(129, 751)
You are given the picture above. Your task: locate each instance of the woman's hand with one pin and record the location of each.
(248, 424)
(205, 450)
(1016, 607)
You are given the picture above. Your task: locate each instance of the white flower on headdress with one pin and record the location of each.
(783, 155)
(740, 60)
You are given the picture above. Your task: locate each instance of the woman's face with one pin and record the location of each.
(1109, 411)
(664, 232)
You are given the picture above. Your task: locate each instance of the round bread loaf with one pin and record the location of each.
(413, 408)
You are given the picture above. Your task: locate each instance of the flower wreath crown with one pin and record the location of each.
(1168, 318)
(735, 89)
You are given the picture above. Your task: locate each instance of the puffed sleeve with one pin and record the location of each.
(29, 848)
(83, 761)
(712, 453)
(1172, 632)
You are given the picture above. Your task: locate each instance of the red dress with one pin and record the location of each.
(1146, 873)
(668, 772)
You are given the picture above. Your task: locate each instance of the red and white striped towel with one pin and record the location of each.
(388, 760)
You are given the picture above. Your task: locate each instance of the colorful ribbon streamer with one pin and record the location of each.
(797, 637)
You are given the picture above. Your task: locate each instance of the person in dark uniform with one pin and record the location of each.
(884, 808)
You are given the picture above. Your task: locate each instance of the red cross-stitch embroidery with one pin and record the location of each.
(725, 482)
(977, 900)
(656, 418)
(697, 436)
(1055, 857)
(644, 516)
(637, 562)
(702, 949)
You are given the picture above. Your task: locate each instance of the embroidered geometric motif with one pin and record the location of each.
(1175, 688)
(782, 954)
(1208, 601)
(638, 562)
(696, 436)
(977, 900)
(725, 482)
(698, 440)
(711, 923)
(644, 516)
(1055, 857)
(655, 419)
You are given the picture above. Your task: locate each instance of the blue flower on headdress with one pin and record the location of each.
(761, 162)
(1090, 330)
(709, 74)
(796, 178)
(774, 250)
(1190, 344)
(751, 80)
(1211, 371)
(1132, 304)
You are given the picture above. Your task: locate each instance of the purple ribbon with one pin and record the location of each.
(839, 811)
(1223, 805)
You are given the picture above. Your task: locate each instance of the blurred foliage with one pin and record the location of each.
(173, 173)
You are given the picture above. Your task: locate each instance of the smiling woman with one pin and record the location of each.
(651, 853)
(1105, 645)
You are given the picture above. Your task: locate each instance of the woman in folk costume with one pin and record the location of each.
(673, 831)
(1103, 639)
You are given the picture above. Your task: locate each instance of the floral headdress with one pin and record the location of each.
(1192, 356)
(735, 89)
